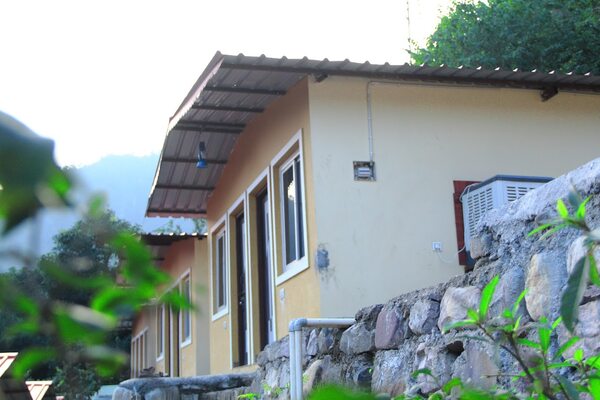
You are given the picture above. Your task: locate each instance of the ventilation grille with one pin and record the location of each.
(516, 192)
(478, 203)
(493, 193)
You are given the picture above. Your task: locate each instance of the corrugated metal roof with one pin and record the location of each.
(232, 90)
(39, 389)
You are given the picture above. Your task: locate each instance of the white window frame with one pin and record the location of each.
(279, 164)
(160, 332)
(220, 230)
(183, 342)
(139, 352)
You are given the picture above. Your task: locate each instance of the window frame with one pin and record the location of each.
(187, 340)
(220, 231)
(288, 164)
(160, 333)
(283, 160)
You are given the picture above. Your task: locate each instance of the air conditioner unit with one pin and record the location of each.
(492, 193)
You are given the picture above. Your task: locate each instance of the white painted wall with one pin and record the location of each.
(379, 234)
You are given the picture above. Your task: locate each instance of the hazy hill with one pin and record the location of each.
(124, 180)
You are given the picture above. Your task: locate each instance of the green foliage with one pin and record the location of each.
(585, 270)
(61, 313)
(561, 35)
(541, 364)
(29, 176)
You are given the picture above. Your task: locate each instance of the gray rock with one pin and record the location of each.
(312, 377)
(360, 370)
(481, 245)
(392, 370)
(576, 251)
(423, 316)
(164, 393)
(546, 276)
(311, 347)
(326, 340)
(455, 303)
(391, 328)
(122, 393)
(477, 365)
(587, 329)
(358, 339)
(510, 286)
(368, 315)
(332, 371)
(438, 360)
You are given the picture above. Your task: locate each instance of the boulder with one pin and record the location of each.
(358, 339)
(311, 346)
(546, 275)
(312, 377)
(587, 329)
(391, 328)
(392, 370)
(477, 365)
(438, 360)
(576, 251)
(423, 316)
(326, 340)
(455, 303)
(481, 245)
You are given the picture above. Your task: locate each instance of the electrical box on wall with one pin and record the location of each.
(364, 170)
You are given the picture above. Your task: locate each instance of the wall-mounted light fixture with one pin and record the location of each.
(201, 156)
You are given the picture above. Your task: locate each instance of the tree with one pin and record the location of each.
(547, 35)
(77, 329)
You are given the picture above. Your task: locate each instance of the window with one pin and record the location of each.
(292, 211)
(185, 314)
(220, 273)
(160, 331)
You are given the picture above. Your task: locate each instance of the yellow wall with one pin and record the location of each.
(379, 234)
(188, 255)
(259, 143)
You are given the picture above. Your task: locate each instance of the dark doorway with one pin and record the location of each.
(267, 331)
(242, 325)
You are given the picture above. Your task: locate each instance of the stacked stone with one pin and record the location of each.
(389, 342)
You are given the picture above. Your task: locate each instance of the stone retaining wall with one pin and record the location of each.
(390, 341)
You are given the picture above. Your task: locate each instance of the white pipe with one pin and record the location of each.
(370, 120)
(295, 339)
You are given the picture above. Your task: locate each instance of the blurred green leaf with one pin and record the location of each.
(566, 346)
(573, 294)
(561, 209)
(594, 385)
(580, 213)
(328, 392)
(459, 324)
(486, 297)
(29, 176)
(31, 358)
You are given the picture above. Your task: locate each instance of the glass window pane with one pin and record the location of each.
(299, 208)
(289, 205)
(220, 271)
(186, 313)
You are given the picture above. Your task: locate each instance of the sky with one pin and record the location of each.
(103, 77)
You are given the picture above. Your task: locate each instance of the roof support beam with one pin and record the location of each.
(419, 75)
(185, 187)
(208, 124)
(174, 211)
(201, 129)
(192, 160)
(228, 89)
(227, 108)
